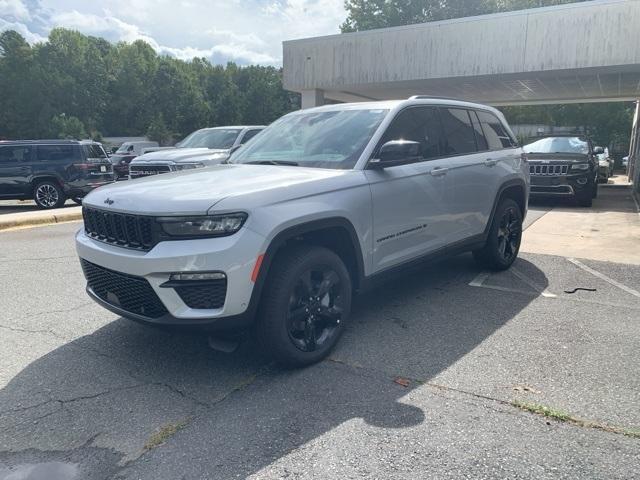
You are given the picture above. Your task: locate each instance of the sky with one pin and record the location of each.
(242, 31)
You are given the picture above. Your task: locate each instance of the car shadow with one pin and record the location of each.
(115, 387)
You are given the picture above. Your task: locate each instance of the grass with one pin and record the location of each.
(162, 435)
(562, 416)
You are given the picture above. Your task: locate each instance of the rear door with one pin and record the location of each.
(501, 160)
(409, 201)
(15, 170)
(466, 188)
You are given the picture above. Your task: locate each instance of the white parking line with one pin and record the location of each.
(542, 291)
(602, 276)
(479, 280)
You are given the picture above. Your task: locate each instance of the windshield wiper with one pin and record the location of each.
(273, 162)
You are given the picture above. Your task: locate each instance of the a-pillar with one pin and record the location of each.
(312, 98)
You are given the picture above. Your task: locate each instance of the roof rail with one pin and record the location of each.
(436, 97)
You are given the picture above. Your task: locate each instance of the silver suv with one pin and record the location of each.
(322, 203)
(204, 147)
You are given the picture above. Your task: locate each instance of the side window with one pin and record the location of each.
(458, 132)
(495, 133)
(53, 153)
(419, 124)
(13, 154)
(249, 135)
(481, 140)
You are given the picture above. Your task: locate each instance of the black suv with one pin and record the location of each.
(50, 171)
(564, 165)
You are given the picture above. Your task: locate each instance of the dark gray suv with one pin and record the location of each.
(50, 171)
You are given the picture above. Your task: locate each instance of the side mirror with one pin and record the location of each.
(598, 150)
(396, 152)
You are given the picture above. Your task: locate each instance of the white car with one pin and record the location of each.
(323, 203)
(208, 146)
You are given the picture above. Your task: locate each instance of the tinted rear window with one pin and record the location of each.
(458, 132)
(15, 153)
(93, 150)
(52, 153)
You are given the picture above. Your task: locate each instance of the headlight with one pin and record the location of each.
(188, 166)
(204, 226)
(581, 167)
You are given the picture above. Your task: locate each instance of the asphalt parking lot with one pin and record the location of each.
(435, 377)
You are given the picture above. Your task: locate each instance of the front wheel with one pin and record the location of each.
(305, 305)
(505, 234)
(48, 194)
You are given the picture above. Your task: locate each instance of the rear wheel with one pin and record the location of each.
(48, 194)
(305, 305)
(505, 234)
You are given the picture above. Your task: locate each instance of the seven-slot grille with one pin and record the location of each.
(146, 170)
(131, 231)
(548, 169)
(128, 292)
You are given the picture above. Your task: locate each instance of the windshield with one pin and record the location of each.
(329, 139)
(558, 145)
(124, 148)
(222, 138)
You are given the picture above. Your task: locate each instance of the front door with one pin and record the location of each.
(409, 201)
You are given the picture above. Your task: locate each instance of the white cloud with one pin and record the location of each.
(14, 9)
(245, 31)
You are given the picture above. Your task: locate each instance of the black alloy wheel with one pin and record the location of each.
(305, 305)
(504, 237)
(315, 308)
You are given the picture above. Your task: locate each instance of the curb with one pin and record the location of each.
(15, 220)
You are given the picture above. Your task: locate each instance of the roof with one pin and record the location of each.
(47, 141)
(391, 104)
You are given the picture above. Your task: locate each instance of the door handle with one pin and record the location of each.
(490, 162)
(439, 171)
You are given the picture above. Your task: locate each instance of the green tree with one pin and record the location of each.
(63, 126)
(370, 14)
(158, 130)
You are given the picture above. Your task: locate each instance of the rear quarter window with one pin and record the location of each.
(494, 131)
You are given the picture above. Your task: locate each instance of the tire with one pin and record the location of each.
(291, 327)
(594, 193)
(505, 234)
(77, 200)
(48, 194)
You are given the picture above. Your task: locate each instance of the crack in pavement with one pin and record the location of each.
(510, 410)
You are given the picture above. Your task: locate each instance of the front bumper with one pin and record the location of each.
(561, 185)
(234, 255)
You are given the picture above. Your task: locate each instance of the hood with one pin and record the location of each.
(194, 192)
(557, 157)
(178, 155)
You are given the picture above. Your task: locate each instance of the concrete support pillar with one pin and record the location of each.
(633, 168)
(312, 98)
